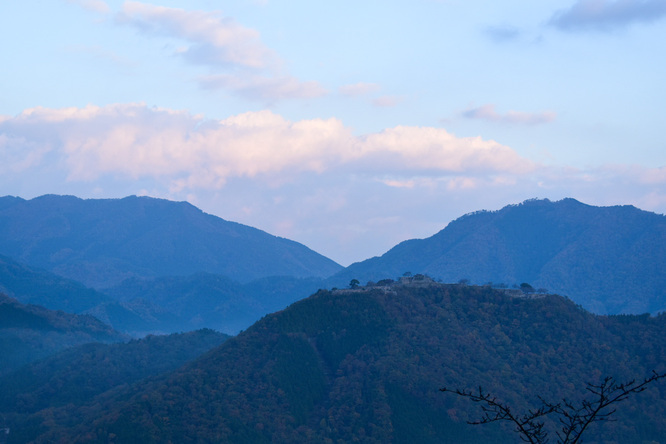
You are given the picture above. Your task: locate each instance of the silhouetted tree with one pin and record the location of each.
(354, 283)
(526, 288)
(574, 418)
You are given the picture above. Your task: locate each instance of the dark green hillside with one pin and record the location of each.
(608, 259)
(77, 374)
(29, 332)
(366, 366)
(101, 242)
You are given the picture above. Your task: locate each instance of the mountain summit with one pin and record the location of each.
(101, 242)
(608, 259)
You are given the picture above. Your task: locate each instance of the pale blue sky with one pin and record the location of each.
(348, 126)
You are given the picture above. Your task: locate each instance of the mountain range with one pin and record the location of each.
(366, 365)
(147, 265)
(358, 364)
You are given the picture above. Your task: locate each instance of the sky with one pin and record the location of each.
(346, 126)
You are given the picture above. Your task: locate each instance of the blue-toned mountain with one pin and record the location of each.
(608, 259)
(101, 242)
(366, 365)
(31, 332)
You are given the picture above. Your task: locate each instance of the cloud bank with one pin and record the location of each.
(192, 152)
(607, 15)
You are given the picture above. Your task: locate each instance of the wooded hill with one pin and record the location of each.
(608, 259)
(365, 365)
(75, 375)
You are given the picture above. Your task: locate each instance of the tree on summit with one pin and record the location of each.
(526, 288)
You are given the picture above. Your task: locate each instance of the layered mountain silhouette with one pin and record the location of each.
(140, 306)
(608, 259)
(346, 365)
(30, 332)
(101, 242)
(202, 300)
(148, 265)
(366, 366)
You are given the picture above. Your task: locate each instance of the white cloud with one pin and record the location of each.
(607, 15)
(238, 60)
(18, 154)
(399, 183)
(434, 149)
(190, 152)
(213, 39)
(267, 89)
(487, 112)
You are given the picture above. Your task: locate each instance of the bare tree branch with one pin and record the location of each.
(574, 418)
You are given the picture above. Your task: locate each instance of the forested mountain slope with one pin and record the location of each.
(365, 365)
(77, 374)
(29, 332)
(608, 259)
(101, 242)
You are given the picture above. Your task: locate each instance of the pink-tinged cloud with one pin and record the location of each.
(434, 149)
(487, 112)
(98, 6)
(213, 39)
(267, 89)
(606, 15)
(358, 89)
(190, 152)
(387, 101)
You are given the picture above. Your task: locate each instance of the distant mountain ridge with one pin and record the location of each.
(101, 242)
(29, 332)
(140, 306)
(34, 286)
(608, 259)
